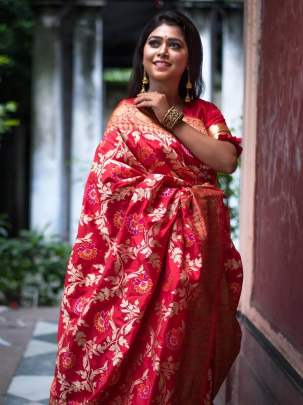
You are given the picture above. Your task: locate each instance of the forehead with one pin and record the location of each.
(170, 31)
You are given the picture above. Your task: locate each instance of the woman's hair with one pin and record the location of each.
(195, 52)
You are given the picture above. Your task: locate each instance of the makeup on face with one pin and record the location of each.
(165, 53)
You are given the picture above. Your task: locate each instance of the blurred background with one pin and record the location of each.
(63, 67)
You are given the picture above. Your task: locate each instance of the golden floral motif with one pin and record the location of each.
(67, 359)
(174, 338)
(135, 224)
(101, 321)
(118, 218)
(87, 251)
(143, 284)
(144, 390)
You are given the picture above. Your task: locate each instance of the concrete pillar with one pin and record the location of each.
(232, 84)
(87, 103)
(202, 17)
(232, 69)
(47, 135)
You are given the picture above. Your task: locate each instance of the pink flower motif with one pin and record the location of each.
(87, 251)
(143, 284)
(190, 237)
(134, 224)
(168, 192)
(92, 195)
(68, 359)
(79, 305)
(144, 390)
(101, 322)
(173, 338)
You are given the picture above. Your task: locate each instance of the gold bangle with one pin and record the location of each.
(172, 117)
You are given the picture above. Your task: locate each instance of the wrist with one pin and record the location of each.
(172, 118)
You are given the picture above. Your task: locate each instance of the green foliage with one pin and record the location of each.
(116, 75)
(16, 32)
(231, 190)
(6, 121)
(32, 261)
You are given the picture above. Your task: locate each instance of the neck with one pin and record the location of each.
(172, 94)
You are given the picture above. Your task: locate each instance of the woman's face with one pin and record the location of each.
(165, 54)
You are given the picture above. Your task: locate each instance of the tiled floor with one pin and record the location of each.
(32, 380)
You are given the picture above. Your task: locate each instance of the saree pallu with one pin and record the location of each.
(148, 314)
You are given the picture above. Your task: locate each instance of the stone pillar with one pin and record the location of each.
(232, 83)
(87, 103)
(47, 133)
(232, 68)
(202, 17)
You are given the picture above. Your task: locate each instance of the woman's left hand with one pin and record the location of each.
(154, 100)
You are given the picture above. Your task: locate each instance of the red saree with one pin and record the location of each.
(154, 280)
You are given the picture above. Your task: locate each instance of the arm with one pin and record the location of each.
(221, 156)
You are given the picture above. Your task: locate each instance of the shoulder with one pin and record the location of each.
(122, 106)
(124, 103)
(209, 112)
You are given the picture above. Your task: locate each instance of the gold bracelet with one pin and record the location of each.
(172, 117)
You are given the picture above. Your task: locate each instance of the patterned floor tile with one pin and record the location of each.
(45, 328)
(31, 383)
(51, 338)
(36, 347)
(42, 365)
(13, 400)
(31, 388)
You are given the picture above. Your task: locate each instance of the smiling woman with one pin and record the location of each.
(165, 57)
(153, 282)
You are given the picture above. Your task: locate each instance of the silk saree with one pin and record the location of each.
(148, 314)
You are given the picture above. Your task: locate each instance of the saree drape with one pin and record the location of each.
(148, 314)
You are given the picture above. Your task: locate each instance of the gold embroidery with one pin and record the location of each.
(217, 129)
(195, 123)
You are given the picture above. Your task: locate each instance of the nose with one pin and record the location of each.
(163, 49)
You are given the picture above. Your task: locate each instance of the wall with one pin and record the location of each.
(279, 187)
(269, 369)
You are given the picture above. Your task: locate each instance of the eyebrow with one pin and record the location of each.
(170, 38)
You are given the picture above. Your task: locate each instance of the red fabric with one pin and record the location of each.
(232, 139)
(210, 114)
(154, 280)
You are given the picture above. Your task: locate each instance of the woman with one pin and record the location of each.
(154, 280)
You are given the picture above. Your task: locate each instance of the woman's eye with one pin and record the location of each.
(153, 43)
(175, 45)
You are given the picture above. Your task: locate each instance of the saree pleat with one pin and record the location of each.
(153, 281)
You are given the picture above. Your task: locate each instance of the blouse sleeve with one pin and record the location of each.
(217, 128)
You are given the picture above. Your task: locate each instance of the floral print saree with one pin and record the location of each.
(148, 314)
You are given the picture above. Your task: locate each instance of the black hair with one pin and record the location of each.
(195, 52)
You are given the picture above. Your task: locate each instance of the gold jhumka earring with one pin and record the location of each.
(145, 82)
(189, 87)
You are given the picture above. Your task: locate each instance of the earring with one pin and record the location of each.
(145, 82)
(189, 87)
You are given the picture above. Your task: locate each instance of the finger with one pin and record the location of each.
(141, 99)
(143, 96)
(144, 103)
